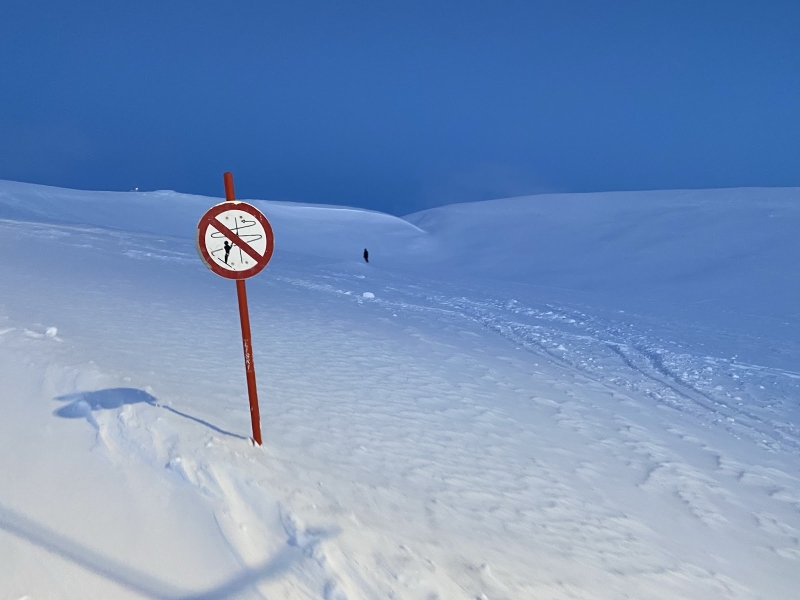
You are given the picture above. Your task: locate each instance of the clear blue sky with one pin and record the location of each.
(398, 106)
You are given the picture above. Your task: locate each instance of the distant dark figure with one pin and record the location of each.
(366, 256)
(227, 246)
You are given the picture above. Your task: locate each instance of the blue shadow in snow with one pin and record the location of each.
(137, 581)
(83, 404)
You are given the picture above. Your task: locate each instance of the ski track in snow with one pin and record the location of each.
(749, 400)
(493, 447)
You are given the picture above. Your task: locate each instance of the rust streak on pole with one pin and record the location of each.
(247, 343)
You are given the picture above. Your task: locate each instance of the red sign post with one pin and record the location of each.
(235, 240)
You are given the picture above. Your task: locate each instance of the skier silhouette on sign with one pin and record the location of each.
(227, 246)
(366, 256)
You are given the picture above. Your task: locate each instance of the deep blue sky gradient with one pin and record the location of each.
(398, 106)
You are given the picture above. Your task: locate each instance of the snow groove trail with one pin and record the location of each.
(754, 401)
(710, 388)
(593, 394)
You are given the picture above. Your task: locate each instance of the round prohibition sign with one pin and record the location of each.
(235, 240)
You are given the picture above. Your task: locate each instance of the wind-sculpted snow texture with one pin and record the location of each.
(502, 404)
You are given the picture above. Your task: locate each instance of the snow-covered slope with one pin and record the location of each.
(733, 248)
(334, 232)
(456, 420)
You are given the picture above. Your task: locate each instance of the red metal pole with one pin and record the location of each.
(247, 343)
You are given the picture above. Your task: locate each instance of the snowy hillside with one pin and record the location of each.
(578, 396)
(733, 248)
(323, 231)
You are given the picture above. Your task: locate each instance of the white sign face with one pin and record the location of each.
(234, 240)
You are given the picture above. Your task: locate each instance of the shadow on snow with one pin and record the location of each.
(83, 404)
(25, 528)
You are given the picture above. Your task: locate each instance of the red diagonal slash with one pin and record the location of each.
(235, 239)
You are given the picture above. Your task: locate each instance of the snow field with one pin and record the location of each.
(424, 437)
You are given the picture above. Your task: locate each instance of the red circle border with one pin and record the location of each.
(207, 219)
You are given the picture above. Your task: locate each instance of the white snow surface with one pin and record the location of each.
(583, 396)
